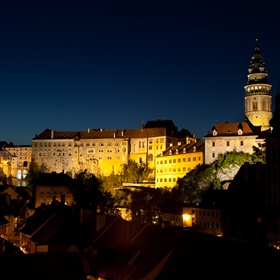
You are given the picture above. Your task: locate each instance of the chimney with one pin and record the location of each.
(88, 130)
(52, 134)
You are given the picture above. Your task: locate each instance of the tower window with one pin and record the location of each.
(255, 106)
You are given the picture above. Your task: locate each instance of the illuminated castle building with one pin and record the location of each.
(103, 151)
(244, 136)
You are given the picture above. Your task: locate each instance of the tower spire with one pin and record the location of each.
(257, 41)
(258, 107)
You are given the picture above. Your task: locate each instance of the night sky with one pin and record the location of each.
(74, 65)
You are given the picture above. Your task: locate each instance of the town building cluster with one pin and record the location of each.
(169, 154)
(251, 205)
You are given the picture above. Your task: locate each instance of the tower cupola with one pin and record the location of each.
(258, 104)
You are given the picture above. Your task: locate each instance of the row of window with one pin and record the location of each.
(170, 170)
(209, 225)
(69, 154)
(165, 180)
(256, 88)
(157, 147)
(75, 145)
(177, 160)
(228, 143)
(206, 213)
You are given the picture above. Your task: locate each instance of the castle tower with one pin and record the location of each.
(258, 105)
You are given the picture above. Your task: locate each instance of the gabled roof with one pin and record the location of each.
(41, 266)
(58, 229)
(134, 251)
(41, 214)
(24, 192)
(184, 149)
(3, 220)
(54, 179)
(104, 134)
(47, 134)
(3, 144)
(161, 123)
(231, 129)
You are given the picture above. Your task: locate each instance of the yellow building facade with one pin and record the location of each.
(176, 161)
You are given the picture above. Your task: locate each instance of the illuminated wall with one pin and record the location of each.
(176, 161)
(15, 161)
(99, 151)
(203, 220)
(227, 137)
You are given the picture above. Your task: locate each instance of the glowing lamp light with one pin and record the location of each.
(187, 220)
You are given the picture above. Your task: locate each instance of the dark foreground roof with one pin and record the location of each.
(41, 266)
(147, 252)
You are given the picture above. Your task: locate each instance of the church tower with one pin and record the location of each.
(258, 105)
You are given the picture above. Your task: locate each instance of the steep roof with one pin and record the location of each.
(168, 130)
(54, 179)
(134, 251)
(184, 148)
(47, 134)
(231, 129)
(42, 266)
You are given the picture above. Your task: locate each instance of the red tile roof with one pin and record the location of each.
(230, 129)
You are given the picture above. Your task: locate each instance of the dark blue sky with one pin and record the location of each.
(73, 65)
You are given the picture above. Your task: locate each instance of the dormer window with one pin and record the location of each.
(194, 149)
(240, 132)
(170, 152)
(215, 132)
(184, 150)
(176, 151)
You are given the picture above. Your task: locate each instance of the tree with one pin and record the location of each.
(89, 194)
(199, 180)
(3, 177)
(134, 173)
(33, 173)
(145, 201)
